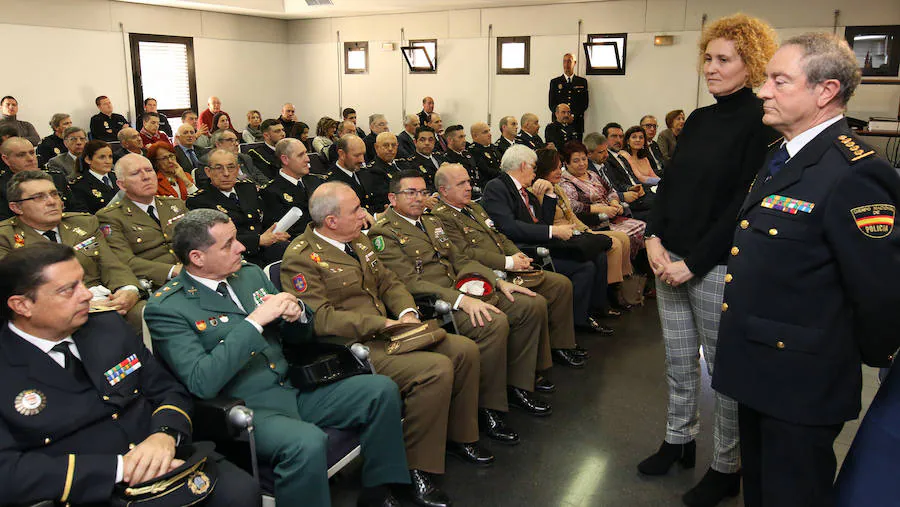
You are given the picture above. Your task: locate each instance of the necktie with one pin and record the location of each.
(72, 364)
(467, 212)
(152, 213)
(349, 251)
(301, 186)
(528, 204)
(51, 235)
(778, 160)
(233, 196)
(194, 161)
(222, 289)
(106, 181)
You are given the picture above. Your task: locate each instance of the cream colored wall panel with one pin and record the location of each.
(229, 26)
(84, 14)
(465, 24)
(310, 31)
(665, 16)
(379, 91)
(557, 19)
(313, 79)
(157, 20)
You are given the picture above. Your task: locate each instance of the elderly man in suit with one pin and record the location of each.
(70, 433)
(187, 153)
(222, 327)
(139, 227)
(69, 163)
(333, 267)
(406, 139)
(130, 142)
(530, 135)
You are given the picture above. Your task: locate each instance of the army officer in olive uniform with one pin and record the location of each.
(417, 248)
(240, 201)
(39, 218)
(139, 227)
(220, 325)
(334, 269)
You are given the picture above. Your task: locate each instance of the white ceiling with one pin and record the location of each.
(298, 9)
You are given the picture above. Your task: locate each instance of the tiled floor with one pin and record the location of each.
(606, 418)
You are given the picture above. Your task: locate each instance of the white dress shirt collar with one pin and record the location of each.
(288, 177)
(796, 144)
(212, 285)
(46, 345)
(333, 242)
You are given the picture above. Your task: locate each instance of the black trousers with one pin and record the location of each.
(786, 464)
(235, 487)
(588, 285)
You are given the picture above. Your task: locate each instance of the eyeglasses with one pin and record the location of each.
(77, 139)
(41, 197)
(411, 193)
(231, 168)
(228, 140)
(170, 156)
(650, 125)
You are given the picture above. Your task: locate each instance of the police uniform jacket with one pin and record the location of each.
(50, 147)
(575, 94)
(351, 298)
(265, 160)
(138, 241)
(246, 213)
(503, 144)
(280, 195)
(60, 436)
(812, 283)
(487, 160)
(532, 141)
(560, 134)
(466, 160)
(376, 178)
(476, 235)
(426, 166)
(370, 146)
(91, 193)
(406, 145)
(336, 174)
(106, 128)
(81, 232)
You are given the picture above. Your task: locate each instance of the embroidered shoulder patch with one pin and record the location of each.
(874, 220)
(299, 282)
(378, 243)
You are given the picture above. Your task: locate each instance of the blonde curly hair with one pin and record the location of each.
(754, 40)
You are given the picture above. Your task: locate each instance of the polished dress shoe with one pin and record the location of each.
(667, 455)
(494, 427)
(611, 313)
(471, 453)
(568, 358)
(542, 385)
(595, 327)
(580, 351)
(526, 401)
(425, 493)
(378, 496)
(712, 489)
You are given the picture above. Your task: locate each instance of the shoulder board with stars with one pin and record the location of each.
(852, 148)
(167, 290)
(300, 245)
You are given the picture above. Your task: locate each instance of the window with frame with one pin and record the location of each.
(513, 55)
(605, 54)
(421, 55)
(356, 57)
(162, 68)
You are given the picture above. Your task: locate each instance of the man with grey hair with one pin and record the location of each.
(69, 163)
(345, 128)
(291, 187)
(508, 128)
(19, 155)
(130, 141)
(530, 135)
(227, 140)
(437, 123)
(406, 140)
(288, 120)
(598, 153)
(187, 153)
(222, 328)
(376, 176)
(140, 226)
(54, 144)
(377, 124)
(811, 288)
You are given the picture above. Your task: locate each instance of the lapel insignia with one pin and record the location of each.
(560, 86)
(30, 402)
(223, 318)
(874, 220)
(213, 322)
(221, 208)
(287, 197)
(315, 257)
(299, 282)
(174, 209)
(403, 239)
(192, 291)
(20, 241)
(787, 204)
(57, 151)
(420, 266)
(118, 372)
(158, 294)
(96, 193)
(201, 325)
(106, 124)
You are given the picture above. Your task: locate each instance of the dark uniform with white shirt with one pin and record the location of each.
(574, 92)
(280, 195)
(93, 194)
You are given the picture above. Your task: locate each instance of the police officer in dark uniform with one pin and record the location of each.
(291, 186)
(457, 154)
(89, 406)
(351, 152)
(54, 144)
(530, 133)
(486, 155)
(572, 90)
(92, 194)
(376, 177)
(811, 287)
(264, 156)
(562, 130)
(424, 160)
(106, 124)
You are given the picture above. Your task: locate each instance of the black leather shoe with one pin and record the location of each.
(542, 385)
(379, 496)
(568, 358)
(612, 313)
(580, 351)
(667, 455)
(712, 489)
(471, 453)
(593, 326)
(494, 427)
(526, 401)
(425, 493)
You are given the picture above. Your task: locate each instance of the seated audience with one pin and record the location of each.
(221, 121)
(349, 114)
(54, 144)
(351, 152)
(486, 155)
(150, 107)
(69, 436)
(9, 109)
(423, 160)
(649, 125)
(301, 132)
(202, 131)
(669, 138)
(69, 163)
(638, 156)
(457, 154)
(377, 124)
(106, 124)
(508, 128)
(406, 142)
(291, 186)
(240, 200)
(18, 154)
(563, 129)
(325, 130)
(345, 128)
(150, 133)
(247, 171)
(439, 383)
(172, 179)
(130, 142)
(242, 356)
(213, 106)
(376, 177)
(530, 133)
(437, 124)
(610, 169)
(139, 227)
(95, 187)
(252, 134)
(527, 217)
(186, 153)
(264, 156)
(288, 119)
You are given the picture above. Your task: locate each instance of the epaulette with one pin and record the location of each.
(78, 178)
(114, 205)
(244, 180)
(9, 221)
(167, 290)
(777, 141)
(266, 185)
(198, 192)
(381, 221)
(853, 149)
(169, 197)
(75, 214)
(439, 207)
(299, 245)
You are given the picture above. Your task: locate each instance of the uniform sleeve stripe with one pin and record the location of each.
(864, 155)
(173, 407)
(70, 474)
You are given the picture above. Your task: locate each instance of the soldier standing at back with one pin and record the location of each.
(572, 90)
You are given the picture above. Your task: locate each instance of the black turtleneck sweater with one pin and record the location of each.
(720, 150)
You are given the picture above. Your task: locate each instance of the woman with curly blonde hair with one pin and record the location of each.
(688, 241)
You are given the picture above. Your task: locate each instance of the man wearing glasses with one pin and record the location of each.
(39, 217)
(240, 200)
(228, 141)
(19, 155)
(69, 163)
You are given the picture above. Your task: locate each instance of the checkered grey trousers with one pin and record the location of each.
(690, 316)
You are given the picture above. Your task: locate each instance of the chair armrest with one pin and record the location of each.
(217, 418)
(431, 307)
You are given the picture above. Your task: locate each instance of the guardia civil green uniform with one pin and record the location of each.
(211, 347)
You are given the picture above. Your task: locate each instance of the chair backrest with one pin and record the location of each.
(273, 271)
(249, 146)
(317, 164)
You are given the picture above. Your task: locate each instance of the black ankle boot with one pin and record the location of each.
(667, 455)
(712, 489)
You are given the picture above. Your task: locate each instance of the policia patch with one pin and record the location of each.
(874, 220)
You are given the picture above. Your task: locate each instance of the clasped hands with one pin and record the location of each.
(669, 272)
